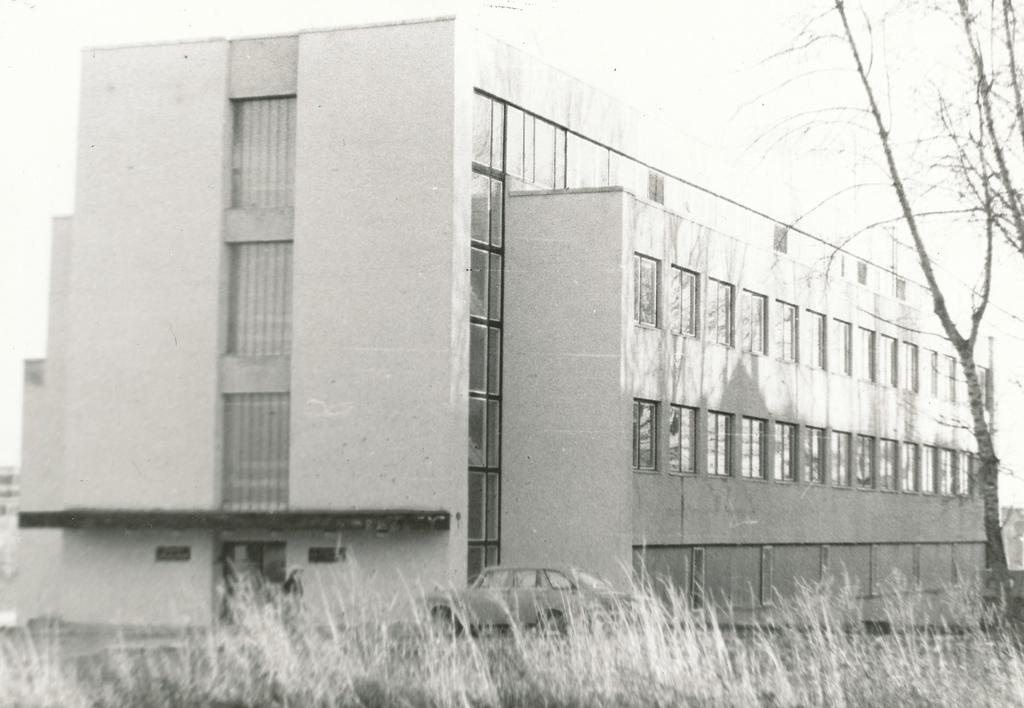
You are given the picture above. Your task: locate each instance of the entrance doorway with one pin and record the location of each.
(253, 571)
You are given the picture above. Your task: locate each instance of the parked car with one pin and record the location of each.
(546, 598)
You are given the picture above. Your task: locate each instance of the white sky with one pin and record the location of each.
(695, 65)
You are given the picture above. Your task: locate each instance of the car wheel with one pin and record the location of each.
(446, 622)
(553, 622)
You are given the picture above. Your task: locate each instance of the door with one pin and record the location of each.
(253, 572)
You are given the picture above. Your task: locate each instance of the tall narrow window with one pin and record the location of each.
(862, 272)
(865, 461)
(844, 347)
(890, 370)
(928, 470)
(951, 378)
(260, 299)
(263, 153)
(682, 426)
(645, 435)
(684, 302)
(911, 381)
(888, 452)
(754, 321)
(781, 238)
(814, 455)
(816, 340)
(963, 474)
(785, 452)
(910, 468)
(945, 471)
(656, 187)
(719, 443)
(753, 463)
(645, 283)
(256, 451)
(841, 458)
(935, 374)
(786, 330)
(867, 354)
(719, 312)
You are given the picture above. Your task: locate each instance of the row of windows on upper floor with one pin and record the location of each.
(879, 357)
(540, 153)
(799, 454)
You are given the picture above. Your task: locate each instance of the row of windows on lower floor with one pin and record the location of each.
(751, 576)
(785, 452)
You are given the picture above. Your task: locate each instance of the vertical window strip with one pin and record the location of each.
(910, 469)
(814, 455)
(785, 452)
(865, 461)
(719, 442)
(263, 153)
(841, 458)
(256, 446)
(753, 441)
(260, 299)
(887, 471)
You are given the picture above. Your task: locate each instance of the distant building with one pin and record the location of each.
(403, 297)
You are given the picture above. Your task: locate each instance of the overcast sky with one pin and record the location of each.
(697, 66)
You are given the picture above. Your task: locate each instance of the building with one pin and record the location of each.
(307, 274)
(1013, 536)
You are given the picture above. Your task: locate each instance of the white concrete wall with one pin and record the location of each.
(380, 288)
(142, 320)
(113, 577)
(566, 419)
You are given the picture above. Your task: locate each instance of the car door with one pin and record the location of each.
(559, 592)
(526, 591)
(487, 602)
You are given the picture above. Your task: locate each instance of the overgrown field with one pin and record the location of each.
(816, 652)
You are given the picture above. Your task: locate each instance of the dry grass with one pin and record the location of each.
(816, 652)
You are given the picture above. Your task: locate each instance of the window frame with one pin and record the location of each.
(746, 453)
(725, 437)
(869, 355)
(714, 310)
(792, 326)
(888, 361)
(790, 433)
(845, 457)
(677, 278)
(845, 342)
(747, 299)
(639, 261)
(910, 482)
(682, 411)
(911, 367)
(818, 340)
(814, 474)
(638, 405)
(888, 465)
(872, 461)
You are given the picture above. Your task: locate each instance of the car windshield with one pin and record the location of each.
(591, 582)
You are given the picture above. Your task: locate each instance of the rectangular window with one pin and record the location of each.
(816, 340)
(963, 468)
(862, 272)
(719, 312)
(935, 374)
(656, 187)
(928, 470)
(865, 461)
(945, 471)
(260, 299)
(645, 435)
(753, 462)
(719, 443)
(814, 455)
(263, 153)
(645, 297)
(753, 315)
(910, 368)
(781, 239)
(256, 451)
(785, 452)
(684, 302)
(841, 458)
(682, 431)
(484, 431)
(844, 347)
(514, 141)
(786, 330)
(951, 378)
(889, 365)
(887, 467)
(482, 510)
(910, 468)
(901, 288)
(544, 154)
(867, 354)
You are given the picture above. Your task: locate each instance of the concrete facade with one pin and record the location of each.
(382, 223)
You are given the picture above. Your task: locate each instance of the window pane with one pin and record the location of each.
(785, 448)
(646, 295)
(260, 299)
(478, 280)
(719, 441)
(867, 354)
(256, 445)
(887, 468)
(480, 224)
(492, 506)
(493, 360)
(477, 421)
(494, 304)
(865, 461)
(481, 129)
(752, 464)
(814, 455)
(544, 154)
(497, 135)
(786, 331)
(675, 415)
(493, 432)
(496, 207)
(844, 347)
(645, 430)
(476, 510)
(841, 458)
(816, 343)
(263, 153)
(514, 141)
(477, 357)
(909, 468)
(928, 469)
(559, 158)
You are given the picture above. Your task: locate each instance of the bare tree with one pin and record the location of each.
(983, 157)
